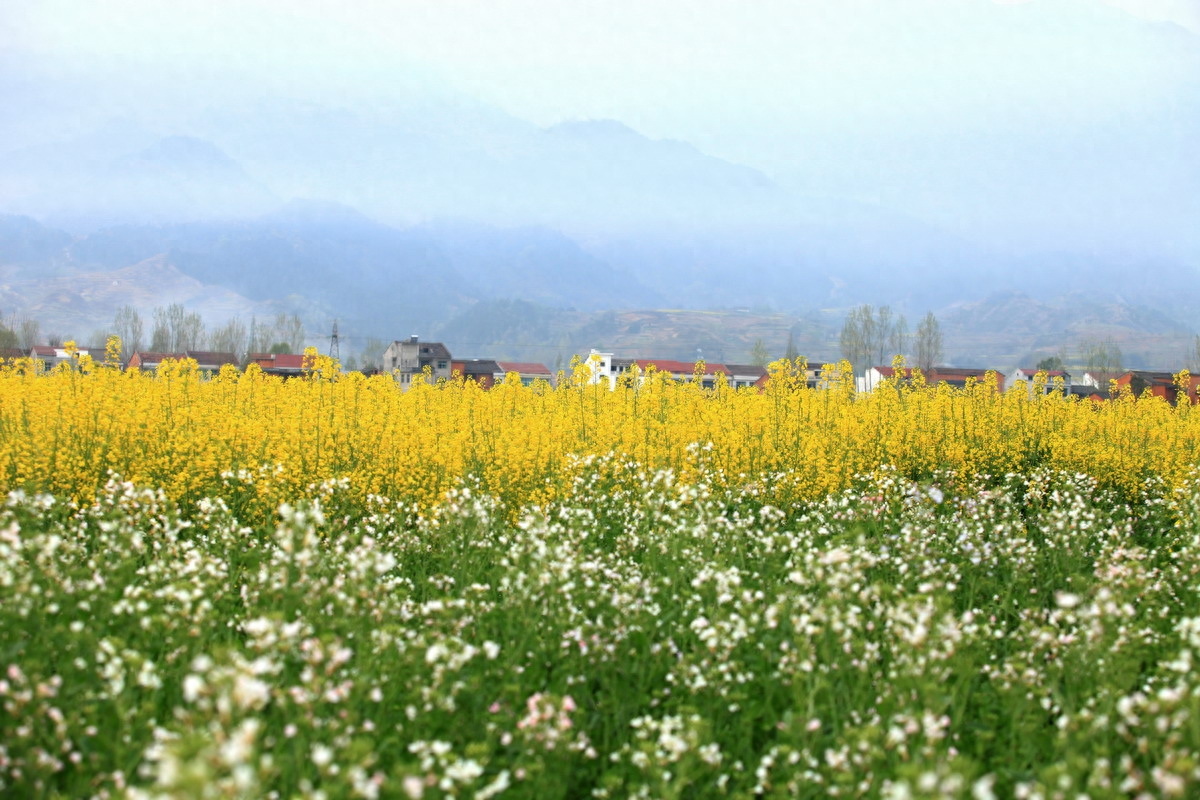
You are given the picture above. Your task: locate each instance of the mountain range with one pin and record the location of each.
(403, 208)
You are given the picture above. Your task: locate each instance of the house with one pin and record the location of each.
(285, 365)
(743, 375)
(51, 357)
(408, 359)
(1099, 380)
(601, 366)
(1028, 374)
(1085, 391)
(604, 365)
(528, 371)
(206, 361)
(148, 361)
(210, 361)
(10, 355)
(957, 377)
(481, 370)
(1158, 384)
(487, 372)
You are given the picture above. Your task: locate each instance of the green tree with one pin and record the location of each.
(759, 356)
(1050, 364)
(371, 354)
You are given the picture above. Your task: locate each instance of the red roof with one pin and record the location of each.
(524, 367)
(278, 360)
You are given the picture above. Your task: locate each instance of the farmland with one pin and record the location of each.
(238, 586)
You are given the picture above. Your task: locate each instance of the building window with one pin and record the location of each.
(441, 365)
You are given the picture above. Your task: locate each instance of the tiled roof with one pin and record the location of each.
(677, 367)
(279, 361)
(217, 359)
(524, 367)
(149, 357)
(745, 369)
(435, 350)
(474, 366)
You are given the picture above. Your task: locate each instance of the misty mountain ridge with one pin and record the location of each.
(451, 287)
(405, 207)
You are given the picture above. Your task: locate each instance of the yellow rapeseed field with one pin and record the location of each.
(195, 434)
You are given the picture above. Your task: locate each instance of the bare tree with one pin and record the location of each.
(258, 339)
(927, 344)
(191, 334)
(230, 338)
(868, 334)
(791, 353)
(856, 340)
(1102, 358)
(898, 344)
(176, 330)
(290, 330)
(127, 324)
(160, 337)
(29, 333)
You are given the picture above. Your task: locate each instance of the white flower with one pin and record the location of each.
(413, 786)
(491, 649)
(193, 686)
(982, 788)
(250, 692)
(321, 755)
(1066, 599)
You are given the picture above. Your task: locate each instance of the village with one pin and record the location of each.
(408, 359)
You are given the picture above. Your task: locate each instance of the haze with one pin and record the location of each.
(794, 154)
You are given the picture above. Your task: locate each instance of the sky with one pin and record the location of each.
(982, 116)
(735, 78)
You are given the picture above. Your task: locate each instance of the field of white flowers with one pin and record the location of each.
(1027, 636)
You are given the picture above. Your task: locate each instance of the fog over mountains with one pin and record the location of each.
(1046, 149)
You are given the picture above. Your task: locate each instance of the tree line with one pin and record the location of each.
(171, 329)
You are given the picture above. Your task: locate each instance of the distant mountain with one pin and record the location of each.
(86, 301)
(1014, 329)
(343, 264)
(25, 243)
(104, 179)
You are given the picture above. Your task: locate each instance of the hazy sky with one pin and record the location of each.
(739, 79)
(544, 61)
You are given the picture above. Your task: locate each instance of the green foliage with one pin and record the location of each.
(1051, 364)
(648, 636)
(759, 355)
